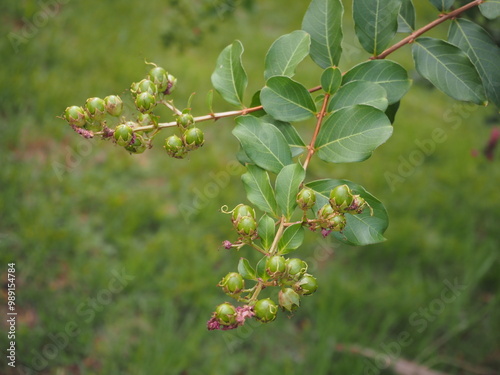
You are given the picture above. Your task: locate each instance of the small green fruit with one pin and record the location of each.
(306, 285)
(295, 267)
(265, 310)
(159, 76)
(175, 147)
(185, 120)
(288, 299)
(145, 101)
(275, 265)
(232, 283)
(306, 198)
(194, 138)
(96, 108)
(225, 314)
(123, 134)
(146, 85)
(247, 226)
(75, 116)
(341, 198)
(338, 222)
(114, 105)
(242, 210)
(137, 145)
(172, 83)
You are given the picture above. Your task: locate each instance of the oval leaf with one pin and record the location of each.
(323, 21)
(266, 230)
(490, 9)
(229, 77)
(331, 79)
(442, 5)
(482, 51)
(261, 269)
(449, 69)
(362, 229)
(292, 238)
(375, 23)
(351, 134)
(359, 92)
(388, 74)
(245, 269)
(287, 186)
(264, 144)
(286, 53)
(293, 138)
(407, 17)
(259, 189)
(287, 100)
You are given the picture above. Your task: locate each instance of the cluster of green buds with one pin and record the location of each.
(189, 139)
(331, 216)
(274, 271)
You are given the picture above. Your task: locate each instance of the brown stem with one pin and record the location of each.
(417, 33)
(316, 132)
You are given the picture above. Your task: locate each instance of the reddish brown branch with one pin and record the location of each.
(311, 149)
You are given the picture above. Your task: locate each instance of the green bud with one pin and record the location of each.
(306, 285)
(275, 265)
(75, 116)
(194, 138)
(96, 108)
(325, 214)
(138, 146)
(265, 310)
(247, 226)
(341, 198)
(175, 147)
(145, 101)
(357, 205)
(159, 76)
(225, 314)
(146, 119)
(114, 105)
(146, 85)
(295, 267)
(123, 134)
(242, 210)
(288, 299)
(172, 83)
(185, 120)
(338, 222)
(306, 198)
(232, 283)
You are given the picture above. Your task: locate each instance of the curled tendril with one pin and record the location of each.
(224, 209)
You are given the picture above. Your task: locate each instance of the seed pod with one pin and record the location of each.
(175, 147)
(242, 210)
(357, 205)
(123, 134)
(172, 83)
(338, 222)
(247, 226)
(225, 314)
(306, 285)
(275, 265)
(114, 105)
(306, 198)
(288, 299)
(159, 76)
(341, 198)
(194, 138)
(232, 283)
(146, 119)
(146, 85)
(145, 101)
(265, 310)
(95, 108)
(75, 115)
(295, 268)
(185, 120)
(324, 215)
(137, 145)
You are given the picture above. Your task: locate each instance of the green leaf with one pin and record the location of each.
(449, 69)
(331, 79)
(259, 189)
(351, 134)
(375, 23)
(286, 53)
(229, 77)
(255, 103)
(390, 75)
(442, 5)
(361, 229)
(287, 100)
(292, 238)
(287, 186)
(406, 17)
(266, 230)
(482, 51)
(323, 21)
(261, 269)
(243, 158)
(245, 269)
(264, 144)
(293, 138)
(391, 112)
(490, 9)
(359, 92)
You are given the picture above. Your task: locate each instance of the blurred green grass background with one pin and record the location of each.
(74, 214)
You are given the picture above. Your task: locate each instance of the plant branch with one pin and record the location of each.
(321, 115)
(417, 33)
